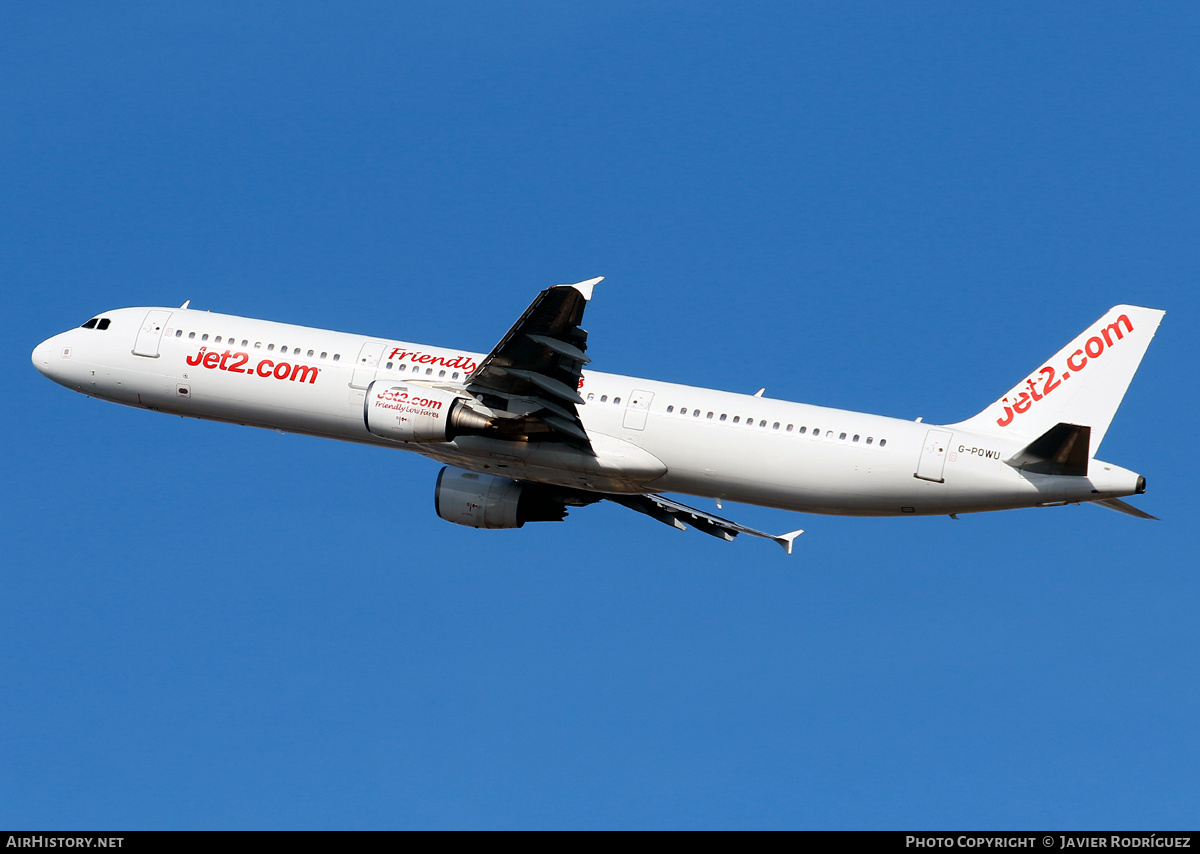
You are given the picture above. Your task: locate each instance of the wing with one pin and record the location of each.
(531, 378)
(680, 516)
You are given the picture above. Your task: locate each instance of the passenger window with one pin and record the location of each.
(869, 440)
(271, 347)
(775, 426)
(695, 413)
(683, 410)
(882, 442)
(337, 357)
(389, 366)
(323, 355)
(803, 430)
(842, 437)
(817, 432)
(789, 428)
(245, 342)
(217, 340)
(191, 335)
(737, 419)
(178, 333)
(257, 345)
(91, 324)
(454, 376)
(204, 337)
(855, 437)
(616, 400)
(722, 416)
(310, 352)
(604, 398)
(296, 351)
(669, 408)
(762, 423)
(441, 373)
(709, 416)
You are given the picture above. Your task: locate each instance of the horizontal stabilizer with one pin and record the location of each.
(1063, 449)
(1121, 507)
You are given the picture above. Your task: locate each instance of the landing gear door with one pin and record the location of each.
(933, 456)
(638, 409)
(367, 364)
(151, 333)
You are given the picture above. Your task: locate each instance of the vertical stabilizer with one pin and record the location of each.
(1082, 384)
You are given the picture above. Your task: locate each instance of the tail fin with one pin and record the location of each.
(1082, 384)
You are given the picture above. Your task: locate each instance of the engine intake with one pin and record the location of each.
(486, 501)
(412, 413)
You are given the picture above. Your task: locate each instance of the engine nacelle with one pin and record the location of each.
(486, 501)
(413, 413)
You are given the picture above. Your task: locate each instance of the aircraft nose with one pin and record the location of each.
(47, 355)
(41, 356)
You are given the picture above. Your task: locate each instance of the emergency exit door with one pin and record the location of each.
(367, 364)
(638, 409)
(933, 456)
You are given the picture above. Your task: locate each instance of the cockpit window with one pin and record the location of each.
(91, 324)
(103, 324)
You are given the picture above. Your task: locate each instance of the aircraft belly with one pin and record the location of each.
(616, 465)
(794, 473)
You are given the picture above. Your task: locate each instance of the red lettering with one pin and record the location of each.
(282, 370)
(1071, 361)
(1115, 329)
(1099, 346)
(266, 364)
(199, 357)
(1051, 382)
(211, 360)
(304, 372)
(224, 356)
(1033, 388)
(239, 359)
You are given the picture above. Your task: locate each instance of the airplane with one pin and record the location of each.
(525, 432)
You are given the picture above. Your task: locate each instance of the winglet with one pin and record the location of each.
(785, 540)
(585, 288)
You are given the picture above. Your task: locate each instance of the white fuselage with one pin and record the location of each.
(648, 436)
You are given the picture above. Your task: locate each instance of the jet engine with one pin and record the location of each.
(486, 501)
(412, 413)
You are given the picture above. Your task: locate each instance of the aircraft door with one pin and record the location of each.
(367, 364)
(933, 456)
(638, 409)
(150, 334)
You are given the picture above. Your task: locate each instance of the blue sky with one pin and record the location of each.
(893, 208)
